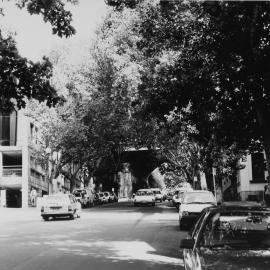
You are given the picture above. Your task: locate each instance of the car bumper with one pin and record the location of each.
(190, 219)
(57, 214)
(144, 202)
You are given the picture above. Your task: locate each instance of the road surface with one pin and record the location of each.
(114, 236)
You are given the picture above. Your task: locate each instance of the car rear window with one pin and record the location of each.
(144, 193)
(238, 229)
(197, 197)
(56, 199)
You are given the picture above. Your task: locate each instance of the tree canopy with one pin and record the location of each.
(211, 57)
(20, 78)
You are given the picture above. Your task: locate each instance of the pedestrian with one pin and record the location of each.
(33, 197)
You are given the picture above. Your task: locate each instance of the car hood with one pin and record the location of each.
(144, 198)
(196, 208)
(236, 259)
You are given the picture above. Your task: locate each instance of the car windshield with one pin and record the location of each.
(56, 199)
(144, 193)
(196, 197)
(79, 192)
(156, 192)
(237, 230)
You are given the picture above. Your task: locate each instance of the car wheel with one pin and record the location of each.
(71, 217)
(46, 218)
(135, 204)
(153, 204)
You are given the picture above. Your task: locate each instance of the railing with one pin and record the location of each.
(15, 171)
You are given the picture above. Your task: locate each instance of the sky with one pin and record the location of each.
(34, 37)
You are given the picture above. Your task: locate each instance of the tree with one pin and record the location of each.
(21, 79)
(213, 56)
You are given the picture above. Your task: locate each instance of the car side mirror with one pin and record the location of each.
(187, 243)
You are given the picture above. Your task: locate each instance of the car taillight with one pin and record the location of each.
(69, 208)
(42, 208)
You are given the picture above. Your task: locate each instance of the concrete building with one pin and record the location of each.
(253, 177)
(19, 171)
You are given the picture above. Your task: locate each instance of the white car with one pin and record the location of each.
(191, 205)
(157, 193)
(176, 199)
(85, 196)
(144, 196)
(106, 196)
(60, 205)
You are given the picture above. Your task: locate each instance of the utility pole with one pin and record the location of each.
(214, 172)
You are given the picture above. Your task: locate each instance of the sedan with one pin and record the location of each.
(144, 196)
(191, 205)
(60, 205)
(229, 237)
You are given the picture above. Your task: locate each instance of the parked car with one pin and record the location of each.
(101, 197)
(106, 196)
(157, 193)
(178, 194)
(60, 205)
(86, 196)
(144, 196)
(191, 205)
(176, 199)
(113, 197)
(169, 195)
(97, 200)
(229, 237)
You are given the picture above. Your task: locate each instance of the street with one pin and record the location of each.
(112, 236)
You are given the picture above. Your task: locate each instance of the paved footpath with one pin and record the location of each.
(19, 214)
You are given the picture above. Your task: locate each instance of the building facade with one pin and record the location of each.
(252, 179)
(19, 171)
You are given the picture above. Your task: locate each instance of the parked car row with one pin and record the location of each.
(105, 197)
(88, 198)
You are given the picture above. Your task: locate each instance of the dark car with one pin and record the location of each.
(97, 200)
(169, 196)
(113, 197)
(229, 237)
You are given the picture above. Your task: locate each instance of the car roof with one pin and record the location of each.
(225, 208)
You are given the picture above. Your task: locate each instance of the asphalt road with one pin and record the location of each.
(115, 236)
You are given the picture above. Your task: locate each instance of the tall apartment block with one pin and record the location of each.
(19, 171)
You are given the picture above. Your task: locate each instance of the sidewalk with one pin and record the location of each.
(19, 214)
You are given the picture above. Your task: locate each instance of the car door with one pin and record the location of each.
(192, 258)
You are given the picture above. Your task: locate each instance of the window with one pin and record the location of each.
(8, 128)
(258, 167)
(12, 163)
(237, 229)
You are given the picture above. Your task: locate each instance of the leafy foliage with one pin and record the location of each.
(21, 79)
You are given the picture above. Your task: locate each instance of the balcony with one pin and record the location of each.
(12, 171)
